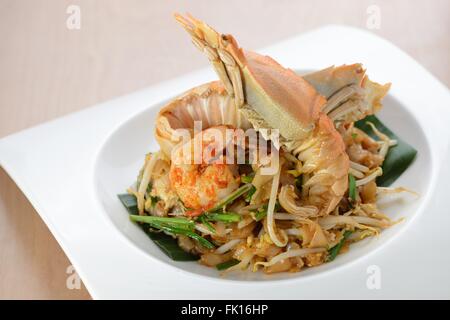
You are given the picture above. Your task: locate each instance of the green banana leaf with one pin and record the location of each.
(399, 157)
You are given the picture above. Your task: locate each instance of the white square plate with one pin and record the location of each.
(72, 168)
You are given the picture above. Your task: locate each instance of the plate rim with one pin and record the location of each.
(9, 150)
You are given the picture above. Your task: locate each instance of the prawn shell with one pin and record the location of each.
(208, 103)
(363, 94)
(279, 96)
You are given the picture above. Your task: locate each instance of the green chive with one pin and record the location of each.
(208, 225)
(172, 228)
(249, 195)
(224, 217)
(164, 220)
(200, 239)
(183, 231)
(260, 215)
(190, 234)
(248, 178)
(262, 212)
(233, 196)
(227, 264)
(334, 251)
(351, 187)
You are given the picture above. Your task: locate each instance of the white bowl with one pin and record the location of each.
(122, 156)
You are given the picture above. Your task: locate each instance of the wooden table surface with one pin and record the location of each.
(48, 70)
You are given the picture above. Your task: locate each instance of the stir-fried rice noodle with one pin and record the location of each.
(270, 214)
(270, 226)
(228, 246)
(148, 169)
(289, 254)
